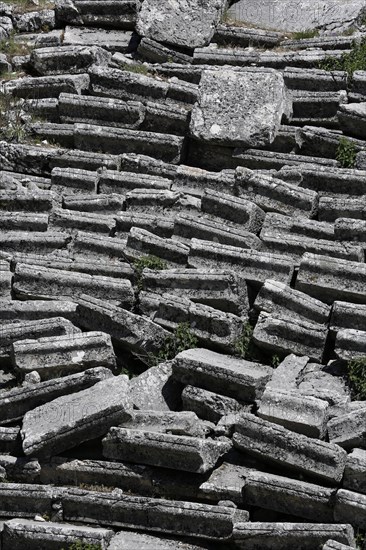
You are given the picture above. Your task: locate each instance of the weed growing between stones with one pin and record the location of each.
(346, 153)
(309, 33)
(275, 361)
(83, 546)
(350, 62)
(180, 340)
(243, 345)
(10, 46)
(356, 370)
(136, 68)
(11, 119)
(150, 262)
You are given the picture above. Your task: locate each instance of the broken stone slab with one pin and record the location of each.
(154, 200)
(288, 496)
(6, 277)
(246, 36)
(142, 164)
(166, 147)
(222, 374)
(233, 209)
(85, 160)
(334, 545)
(27, 201)
(24, 241)
(154, 223)
(319, 382)
(141, 243)
(189, 25)
(208, 405)
(330, 180)
(348, 430)
(323, 41)
(226, 482)
(323, 142)
(315, 107)
(182, 423)
(155, 52)
(332, 279)
(253, 265)
(69, 420)
(27, 159)
(107, 204)
(10, 442)
(277, 445)
(212, 327)
(285, 376)
(73, 180)
(272, 194)
(222, 290)
(120, 15)
(70, 221)
(286, 336)
(31, 534)
(354, 474)
(357, 92)
(258, 159)
(22, 221)
(281, 225)
(352, 119)
(298, 413)
(350, 230)
(350, 507)
(190, 454)
(48, 86)
(129, 330)
(18, 401)
(21, 500)
(49, 132)
(110, 39)
(166, 118)
(333, 208)
(282, 301)
(209, 120)
(68, 59)
(96, 247)
(123, 182)
(360, 162)
(286, 536)
(166, 516)
(43, 282)
(20, 469)
(56, 356)
(350, 343)
(156, 389)
(140, 541)
(347, 315)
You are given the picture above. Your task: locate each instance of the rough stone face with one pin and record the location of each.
(348, 430)
(239, 108)
(188, 23)
(69, 420)
(355, 471)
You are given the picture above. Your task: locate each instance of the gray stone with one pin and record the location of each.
(350, 343)
(143, 243)
(21, 469)
(70, 221)
(352, 119)
(5, 279)
(350, 507)
(24, 241)
(68, 420)
(20, 500)
(102, 203)
(157, 53)
(329, 180)
(35, 21)
(348, 430)
(188, 25)
(355, 472)
(182, 423)
(120, 15)
(246, 36)
(350, 230)
(10, 441)
(347, 315)
(225, 482)
(221, 374)
(23, 221)
(208, 405)
(334, 545)
(123, 182)
(216, 117)
(155, 223)
(73, 180)
(109, 39)
(284, 226)
(48, 86)
(323, 142)
(190, 454)
(142, 541)
(156, 389)
(277, 445)
(285, 376)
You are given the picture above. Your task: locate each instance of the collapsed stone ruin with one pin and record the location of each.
(182, 275)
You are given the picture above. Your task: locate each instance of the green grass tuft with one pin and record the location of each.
(356, 370)
(150, 262)
(350, 62)
(309, 33)
(346, 153)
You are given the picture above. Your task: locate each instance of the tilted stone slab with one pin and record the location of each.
(25, 241)
(354, 477)
(155, 389)
(141, 243)
(286, 536)
(221, 374)
(68, 59)
(149, 514)
(348, 430)
(350, 507)
(73, 180)
(21, 469)
(152, 200)
(27, 201)
(208, 405)
(323, 142)
(273, 195)
(330, 180)
(282, 301)
(42, 282)
(31, 534)
(107, 204)
(10, 441)
(18, 401)
(350, 343)
(330, 279)
(223, 123)
(5, 279)
(258, 159)
(302, 414)
(350, 230)
(154, 223)
(69, 221)
(123, 182)
(253, 265)
(138, 541)
(279, 224)
(352, 119)
(128, 329)
(334, 545)
(25, 500)
(23, 221)
(69, 420)
(155, 52)
(182, 423)
(49, 86)
(120, 15)
(246, 36)
(110, 39)
(190, 454)
(280, 446)
(57, 356)
(286, 336)
(86, 246)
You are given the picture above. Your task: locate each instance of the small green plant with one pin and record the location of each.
(356, 370)
(359, 539)
(275, 361)
(346, 153)
(352, 61)
(79, 545)
(309, 33)
(11, 46)
(136, 68)
(243, 344)
(150, 262)
(180, 340)
(11, 118)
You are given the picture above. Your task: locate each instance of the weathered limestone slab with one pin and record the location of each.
(152, 200)
(282, 301)
(25, 501)
(27, 201)
(72, 419)
(23, 221)
(286, 336)
(62, 134)
(350, 230)
(18, 401)
(329, 180)
(208, 405)
(155, 52)
(298, 413)
(187, 25)
(216, 117)
(233, 209)
(350, 343)
(222, 290)
(222, 374)
(73, 180)
(302, 227)
(254, 265)
(350, 507)
(165, 516)
(288, 496)
(323, 142)
(70, 221)
(355, 472)
(285, 376)
(120, 15)
(315, 79)
(274, 195)
(166, 118)
(109, 39)
(68, 59)
(139, 541)
(246, 36)
(142, 164)
(334, 545)
(10, 441)
(352, 119)
(156, 389)
(85, 160)
(317, 381)
(182, 423)
(190, 454)
(96, 247)
(123, 182)
(21, 469)
(56, 356)
(22, 533)
(24, 241)
(280, 446)
(155, 223)
(48, 86)
(348, 430)
(130, 330)
(102, 203)
(211, 326)
(5, 279)
(141, 243)
(30, 310)
(332, 279)
(43, 282)
(286, 536)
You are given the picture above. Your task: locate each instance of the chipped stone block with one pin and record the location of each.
(141, 243)
(24, 221)
(330, 180)
(348, 430)
(68, 420)
(155, 52)
(190, 454)
(352, 119)
(221, 374)
(31, 310)
(110, 39)
(323, 142)
(350, 230)
(208, 405)
(277, 445)
(154, 223)
(350, 343)
(349, 316)
(286, 336)
(25, 501)
(73, 180)
(21, 469)
(246, 36)
(27, 201)
(123, 182)
(112, 13)
(10, 441)
(142, 541)
(5, 279)
(22, 399)
(57, 356)
(350, 507)
(68, 59)
(107, 204)
(156, 389)
(334, 545)
(49, 86)
(87, 247)
(70, 221)
(25, 241)
(355, 472)
(278, 224)
(220, 121)
(182, 423)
